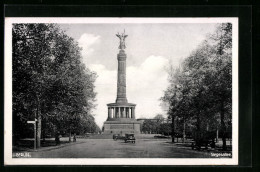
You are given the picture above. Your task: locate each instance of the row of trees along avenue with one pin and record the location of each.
(50, 83)
(200, 91)
(157, 125)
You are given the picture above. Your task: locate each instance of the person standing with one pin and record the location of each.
(74, 137)
(57, 138)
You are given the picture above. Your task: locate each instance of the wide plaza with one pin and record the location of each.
(109, 148)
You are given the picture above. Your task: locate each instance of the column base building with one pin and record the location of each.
(121, 119)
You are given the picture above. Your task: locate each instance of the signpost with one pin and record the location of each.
(34, 123)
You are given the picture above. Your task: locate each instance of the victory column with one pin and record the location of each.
(121, 114)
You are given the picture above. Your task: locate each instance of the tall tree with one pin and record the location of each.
(50, 82)
(200, 89)
(159, 119)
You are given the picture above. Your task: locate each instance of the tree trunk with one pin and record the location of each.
(173, 137)
(198, 134)
(43, 131)
(217, 136)
(183, 134)
(43, 135)
(223, 126)
(38, 123)
(70, 136)
(39, 128)
(198, 124)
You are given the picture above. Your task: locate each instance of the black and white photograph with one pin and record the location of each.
(121, 91)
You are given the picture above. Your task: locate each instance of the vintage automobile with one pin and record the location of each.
(118, 137)
(206, 140)
(161, 137)
(198, 144)
(129, 138)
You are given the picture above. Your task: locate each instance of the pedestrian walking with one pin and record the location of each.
(57, 138)
(74, 138)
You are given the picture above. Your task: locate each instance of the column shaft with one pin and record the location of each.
(109, 112)
(124, 114)
(121, 78)
(114, 116)
(133, 112)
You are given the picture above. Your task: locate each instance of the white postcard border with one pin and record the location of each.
(8, 160)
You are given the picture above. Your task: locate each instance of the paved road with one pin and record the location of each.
(108, 148)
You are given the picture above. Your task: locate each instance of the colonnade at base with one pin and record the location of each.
(121, 112)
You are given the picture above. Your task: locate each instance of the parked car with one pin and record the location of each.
(129, 138)
(115, 136)
(161, 136)
(206, 140)
(118, 136)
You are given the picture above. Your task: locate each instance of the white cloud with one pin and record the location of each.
(87, 42)
(106, 91)
(145, 85)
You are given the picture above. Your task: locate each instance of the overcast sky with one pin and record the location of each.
(150, 48)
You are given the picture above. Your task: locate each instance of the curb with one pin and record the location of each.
(42, 149)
